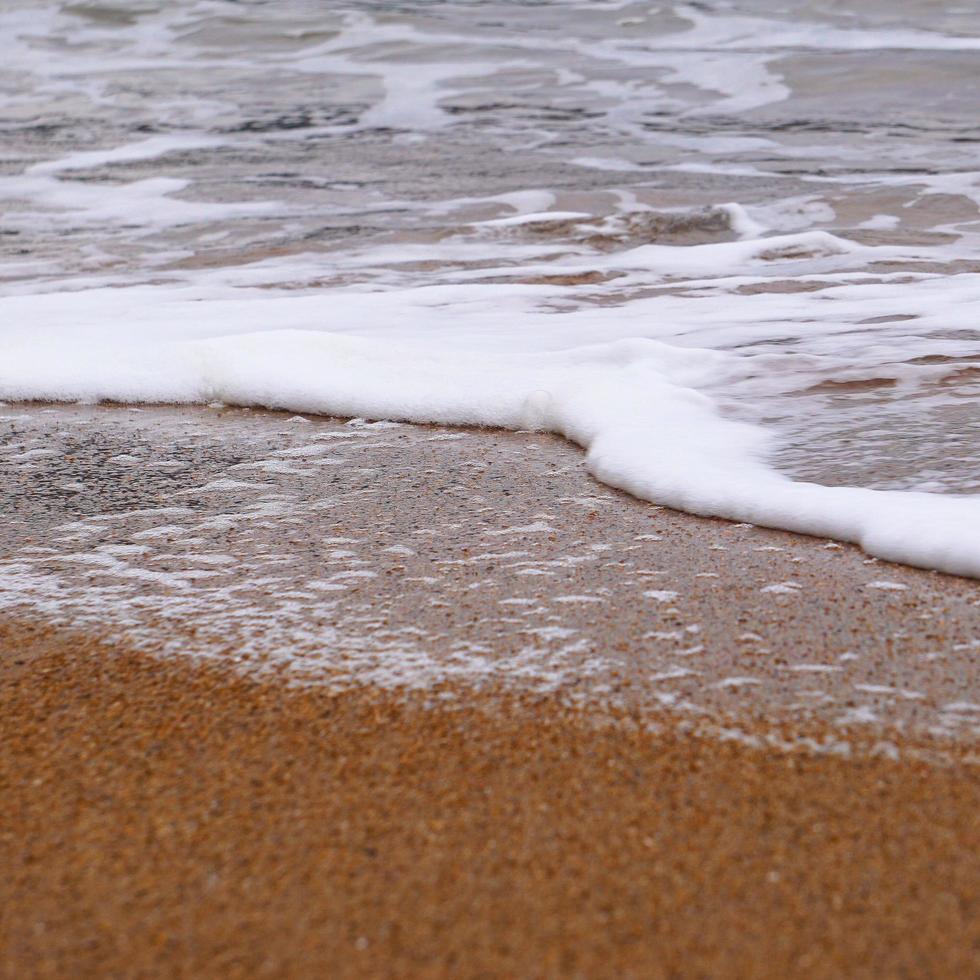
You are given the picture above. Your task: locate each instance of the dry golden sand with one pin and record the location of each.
(166, 819)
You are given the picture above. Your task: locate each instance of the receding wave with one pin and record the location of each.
(746, 285)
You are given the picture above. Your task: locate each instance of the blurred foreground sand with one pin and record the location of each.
(165, 819)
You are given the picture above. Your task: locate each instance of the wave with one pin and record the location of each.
(639, 406)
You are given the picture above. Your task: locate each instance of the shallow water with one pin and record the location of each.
(489, 176)
(429, 558)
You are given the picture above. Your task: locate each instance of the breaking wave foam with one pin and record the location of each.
(637, 405)
(333, 212)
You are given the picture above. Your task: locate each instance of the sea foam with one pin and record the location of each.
(638, 406)
(501, 223)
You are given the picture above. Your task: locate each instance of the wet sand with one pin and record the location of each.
(406, 556)
(166, 819)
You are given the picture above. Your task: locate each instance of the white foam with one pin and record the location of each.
(661, 595)
(782, 588)
(148, 149)
(152, 199)
(487, 357)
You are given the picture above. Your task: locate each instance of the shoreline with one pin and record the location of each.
(23, 642)
(409, 557)
(168, 818)
(289, 693)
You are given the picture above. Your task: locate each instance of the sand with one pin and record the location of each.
(436, 704)
(165, 819)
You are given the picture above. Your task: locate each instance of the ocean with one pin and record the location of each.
(731, 249)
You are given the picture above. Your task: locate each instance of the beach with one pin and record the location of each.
(167, 819)
(590, 800)
(489, 489)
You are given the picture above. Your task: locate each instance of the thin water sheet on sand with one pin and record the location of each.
(353, 553)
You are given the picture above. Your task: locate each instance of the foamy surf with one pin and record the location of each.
(633, 404)
(493, 223)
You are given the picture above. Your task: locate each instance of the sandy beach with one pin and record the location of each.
(164, 819)
(594, 797)
(489, 490)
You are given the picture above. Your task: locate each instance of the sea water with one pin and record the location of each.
(732, 249)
